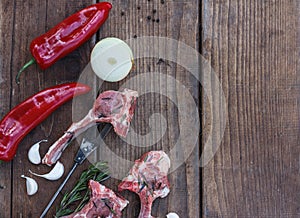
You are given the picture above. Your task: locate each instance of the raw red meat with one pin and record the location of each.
(148, 178)
(112, 107)
(104, 203)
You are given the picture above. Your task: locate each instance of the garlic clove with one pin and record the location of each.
(34, 154)
(172, 215)
(31, 185)
(55, 174)
(111, 59)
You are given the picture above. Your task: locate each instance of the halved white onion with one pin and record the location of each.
(111, 59)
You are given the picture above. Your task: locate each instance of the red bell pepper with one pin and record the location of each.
(27, 115)
(67, 36)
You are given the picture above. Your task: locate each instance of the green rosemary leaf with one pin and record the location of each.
(80, 194)
(63, 213)
(83, 201)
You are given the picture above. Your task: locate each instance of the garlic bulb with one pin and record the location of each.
(172, 215)
(55, 174)
(111, 59)
(34, 154)
(31, 185)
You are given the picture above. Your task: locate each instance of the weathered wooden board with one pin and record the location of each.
(6, 33)
(21, 21)
(132, 20)
(254, 48)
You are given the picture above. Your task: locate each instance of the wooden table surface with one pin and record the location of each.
(253, 48)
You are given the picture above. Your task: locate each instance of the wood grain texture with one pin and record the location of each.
(6, 46)
(23, 21)
(254, 49)
(178, 20)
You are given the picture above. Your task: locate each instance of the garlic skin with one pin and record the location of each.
(111, 59)
(31, 185)
(34, 154)
(172, 215)
(55, 174)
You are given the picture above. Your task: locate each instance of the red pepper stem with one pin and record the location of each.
(29, 63)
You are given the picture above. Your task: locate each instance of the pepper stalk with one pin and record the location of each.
(29, 63)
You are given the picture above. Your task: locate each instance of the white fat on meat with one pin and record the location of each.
(148, 178)
(103, 203)
(112, 107)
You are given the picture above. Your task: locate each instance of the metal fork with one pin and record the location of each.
(86, 148)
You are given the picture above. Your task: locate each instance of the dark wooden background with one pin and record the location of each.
(253, 46)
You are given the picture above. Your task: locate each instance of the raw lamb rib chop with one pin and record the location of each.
(110, 107)
(103, 203)
(148, 178)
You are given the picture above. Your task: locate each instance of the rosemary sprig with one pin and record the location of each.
(81, 193)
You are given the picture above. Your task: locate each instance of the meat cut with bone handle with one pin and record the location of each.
(148, 178)
(103, 203)
(112, 107)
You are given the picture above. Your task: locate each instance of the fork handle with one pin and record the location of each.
(59, 190)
